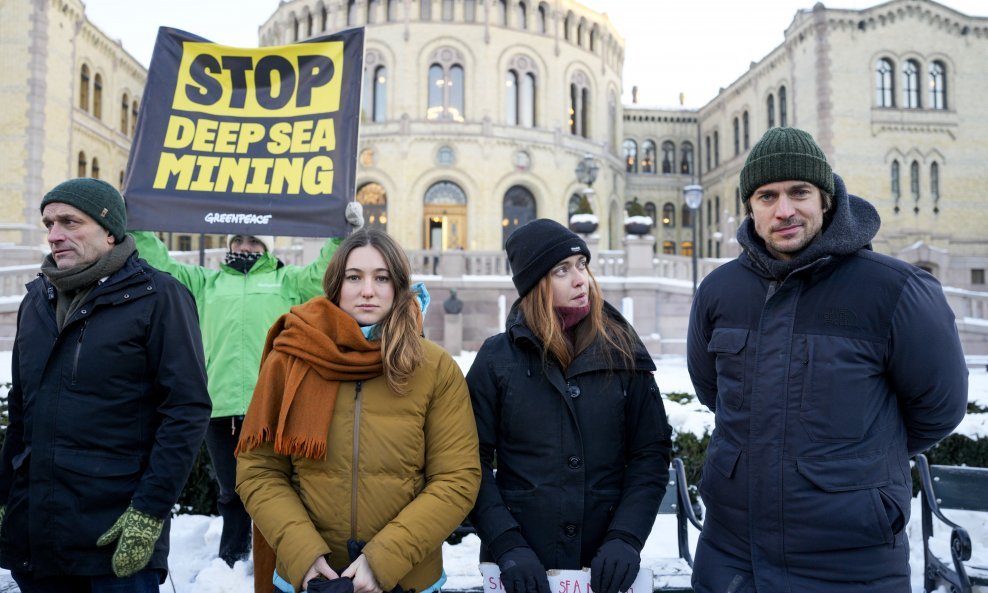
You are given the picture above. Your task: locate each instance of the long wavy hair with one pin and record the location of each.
(541, 318)
(401, 350)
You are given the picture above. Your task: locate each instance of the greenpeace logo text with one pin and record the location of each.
(237, 218)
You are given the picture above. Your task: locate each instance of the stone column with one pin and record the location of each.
(638, 254)
(452, 263)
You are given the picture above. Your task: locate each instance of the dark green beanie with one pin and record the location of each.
(97, 198)
(785, 154)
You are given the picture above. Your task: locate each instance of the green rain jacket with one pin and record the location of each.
(235, 312)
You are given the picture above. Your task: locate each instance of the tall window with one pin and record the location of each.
(568, 26)
(447, 10)
(935, 186)
(630, 156)
(707, 151)
(910, 85)
(81, 170)
(938, 85)
(543, 18)
(650, 212)
(783, 115)
(374, 199)
(84, 88)
(581, 32)
(95, 168)
(376, 94)
(124, 111)
(351, 12)
(594, 34)
(296, 28)
(770, 109)
(668, 157)
(669, 215)
(446, 86)
(744, 124)
(737, 137)
(470, 11)
(914, 184)
(308, 23)
(612, 115)
(133, 118)
(896, 187)
(716, 149)
(98, 96)
(521, 15)
(520, 89)
(884, 83)
(686, 216)
(648, 157)
(425, 10)
(686, 164)
(517, 209)
(579, 105)
(502, 12)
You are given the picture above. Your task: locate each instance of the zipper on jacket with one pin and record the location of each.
(78, 349)
(353, 462)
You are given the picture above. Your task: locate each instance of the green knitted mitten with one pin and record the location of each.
(137, 534)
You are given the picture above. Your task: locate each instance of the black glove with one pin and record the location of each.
(615, 567)
(521, 571)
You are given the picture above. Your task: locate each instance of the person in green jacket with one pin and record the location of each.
(237, 305)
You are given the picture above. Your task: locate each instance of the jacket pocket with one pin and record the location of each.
(728, 344)
(718, 481)
(835, 503)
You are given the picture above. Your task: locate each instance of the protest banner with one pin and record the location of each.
(562, 581)
(259, 141)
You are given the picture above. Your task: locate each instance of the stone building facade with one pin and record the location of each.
(70, 101)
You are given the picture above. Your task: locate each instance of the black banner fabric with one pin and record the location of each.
(258, 141)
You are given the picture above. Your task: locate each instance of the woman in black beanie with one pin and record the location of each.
(566, 401)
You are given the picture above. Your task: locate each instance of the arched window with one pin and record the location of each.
(521, 15)
(543, 18)
(650, 212)
(375, 202)
(895, 186)
(425, 10)
(612, 119)
(296, 28)
(446, 86)
(445, 192)
(630, 156)
(938, 85)
(594, 34)
(95, 168)
(783, 109)
(81, 170)
(668, 248)
(648, 158)
(579, 105)
(935, 186)
(324, 15)
(914, 184)
(568, 26)
(98, 96)
(351, 12)
(744, 124)
(133, 118)
(770, 109)
(502, 12)
(120, 186)
(308, 24)
(520, 90)
(668, 157)
(686, 164)
(884, 83)
(84, 88)
(581, 32)
(669, 215)
(686, 216)
(376, 92)
(716, 149)
(518, 208)
(706, 149)
(910, 85)
(737, 137)
(124, 112)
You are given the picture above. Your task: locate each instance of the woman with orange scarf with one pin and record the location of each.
(358, 454)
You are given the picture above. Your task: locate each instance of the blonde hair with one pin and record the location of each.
(401, 349)
(541, 318)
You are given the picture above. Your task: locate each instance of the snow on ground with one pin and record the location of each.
(195, 567)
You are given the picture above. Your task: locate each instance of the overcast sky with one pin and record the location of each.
(692, 47)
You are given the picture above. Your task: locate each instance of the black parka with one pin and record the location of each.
(109, 412)
(581, 454)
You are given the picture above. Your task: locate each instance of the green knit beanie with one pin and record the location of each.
(97, 198)
(785, 154)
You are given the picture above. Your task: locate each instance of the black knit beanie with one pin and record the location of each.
(785, 154)
(535, 247)
(97, 198)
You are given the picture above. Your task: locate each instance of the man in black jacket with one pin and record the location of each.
(107, 409)
(828, 366)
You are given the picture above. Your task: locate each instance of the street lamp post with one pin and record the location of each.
(693, 195)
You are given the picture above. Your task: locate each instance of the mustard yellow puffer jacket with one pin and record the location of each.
(417, 476)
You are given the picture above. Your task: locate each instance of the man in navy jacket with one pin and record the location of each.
(108, 406)
(828, 366)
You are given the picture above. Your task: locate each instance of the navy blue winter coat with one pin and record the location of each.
(582, 454)
(826, 373)
(110, 411)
